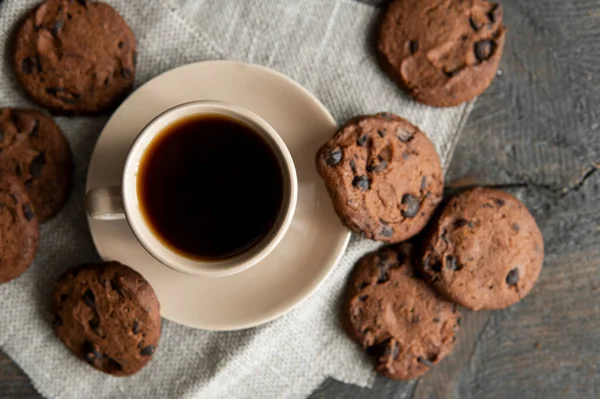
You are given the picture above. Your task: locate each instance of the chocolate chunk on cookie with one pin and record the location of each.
(108, 315)
(33, 147)
(383, 175)
(75, 56)
(484, 251)
(397, 317)
(19, 228)
(442, 53)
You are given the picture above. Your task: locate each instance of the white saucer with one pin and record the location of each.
(315, 241)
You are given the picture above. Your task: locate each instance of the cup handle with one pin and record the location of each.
(105, 203)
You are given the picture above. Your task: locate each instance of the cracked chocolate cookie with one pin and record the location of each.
(75, 56)
(19, 228)
(33, 147)
(397, 317)
(442, 52)
(108, 315)
(383, 175)
(484, 251)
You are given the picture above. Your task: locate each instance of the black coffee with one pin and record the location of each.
(210, 187)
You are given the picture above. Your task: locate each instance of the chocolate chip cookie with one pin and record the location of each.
(19, 228)
(484, 251)
(33, 147)
(108, 315)
(75, 56)
(442, 53)
(383, 175)
(397, 317)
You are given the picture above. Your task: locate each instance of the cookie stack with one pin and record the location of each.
(71, 58)
(481, 250)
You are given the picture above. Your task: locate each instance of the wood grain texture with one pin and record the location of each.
(536, 133)
(13, 383)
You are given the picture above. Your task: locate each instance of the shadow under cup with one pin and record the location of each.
(209, 188)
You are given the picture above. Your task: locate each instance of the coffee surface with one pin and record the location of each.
(210, 187)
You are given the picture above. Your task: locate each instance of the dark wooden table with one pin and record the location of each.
(535, 133)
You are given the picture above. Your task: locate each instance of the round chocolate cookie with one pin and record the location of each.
(19, 228)
(33, 147)
(397, 317)
(383, 175)
(75, 56)
(442, 53)
(108, 315)
(484, 251)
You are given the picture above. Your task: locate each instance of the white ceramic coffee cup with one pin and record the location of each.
(114, 203)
